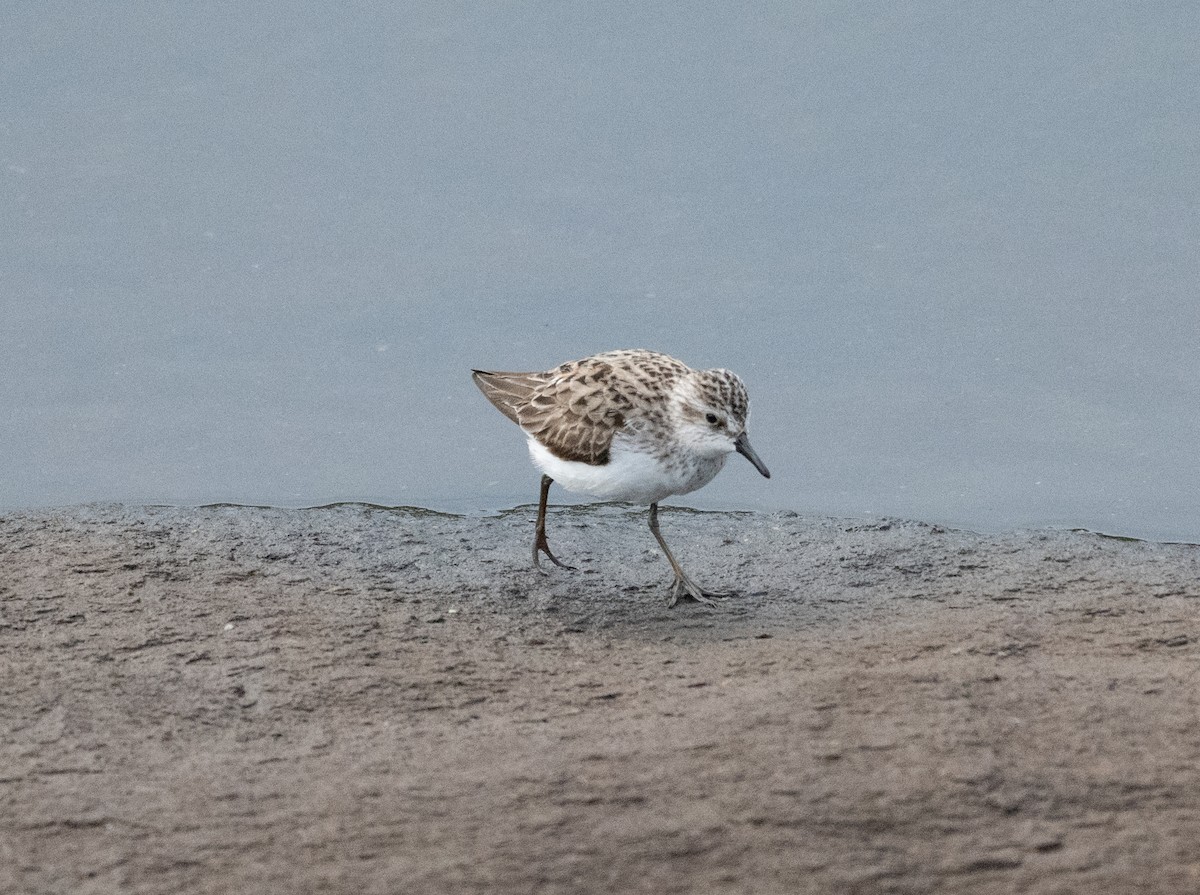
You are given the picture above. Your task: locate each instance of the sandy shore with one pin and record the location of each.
(361, 700)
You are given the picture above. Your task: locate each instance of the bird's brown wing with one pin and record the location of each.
(509, 392)
(569, 410)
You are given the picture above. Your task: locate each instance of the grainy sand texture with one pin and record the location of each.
(363, 700)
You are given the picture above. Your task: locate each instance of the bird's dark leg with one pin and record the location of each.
(682, 582)
(539, 541)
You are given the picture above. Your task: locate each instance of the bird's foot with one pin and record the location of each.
(540, 545)
(688, 589)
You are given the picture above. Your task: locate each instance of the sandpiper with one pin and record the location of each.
(630, 425)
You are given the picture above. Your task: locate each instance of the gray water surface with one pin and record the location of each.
(252, 252)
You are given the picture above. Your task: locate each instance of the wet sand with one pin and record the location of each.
(360, 700)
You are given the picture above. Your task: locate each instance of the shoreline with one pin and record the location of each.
(998, 531)
(350, 699)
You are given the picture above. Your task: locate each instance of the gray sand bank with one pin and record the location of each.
(360, 700)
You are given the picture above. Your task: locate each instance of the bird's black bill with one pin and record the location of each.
(742, 444)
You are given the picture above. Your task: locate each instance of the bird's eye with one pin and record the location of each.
(711, 419)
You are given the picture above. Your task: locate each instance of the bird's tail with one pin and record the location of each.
(509, 392)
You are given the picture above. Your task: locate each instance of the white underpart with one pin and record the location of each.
(629, 475)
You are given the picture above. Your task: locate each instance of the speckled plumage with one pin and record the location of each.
(629, 425)
(577, 409)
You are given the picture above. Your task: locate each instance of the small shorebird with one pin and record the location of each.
(631, 425)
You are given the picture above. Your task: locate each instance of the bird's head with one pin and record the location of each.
(711, 408)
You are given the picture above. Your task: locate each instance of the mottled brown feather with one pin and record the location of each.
(575, 409)
(508, 391)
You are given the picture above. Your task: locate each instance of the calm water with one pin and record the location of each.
(952, 248)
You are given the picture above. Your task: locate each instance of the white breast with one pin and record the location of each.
(630, 475)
